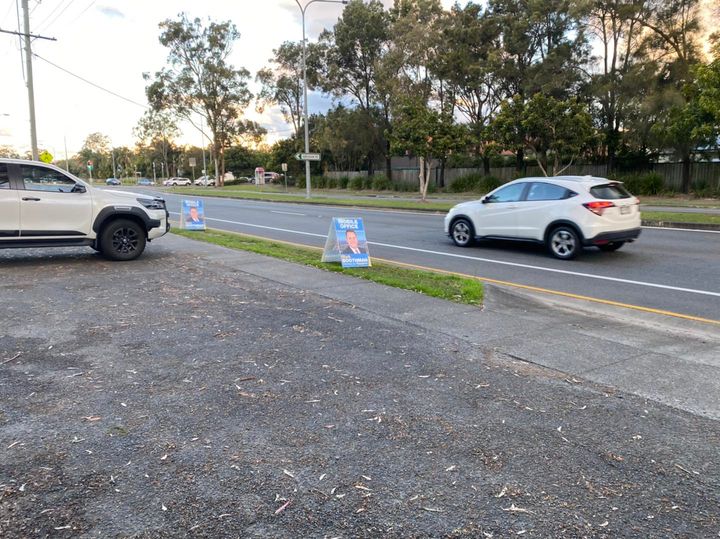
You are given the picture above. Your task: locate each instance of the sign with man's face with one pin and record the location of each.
(347, 243)
(193, 215)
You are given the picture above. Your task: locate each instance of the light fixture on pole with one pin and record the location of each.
(305, 98)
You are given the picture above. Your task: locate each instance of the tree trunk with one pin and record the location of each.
(686, 165)
(388, 167)
(520, 161)
(486, 165)
(442, 172)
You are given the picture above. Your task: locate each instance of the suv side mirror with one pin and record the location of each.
(485, 199)
(78, 188)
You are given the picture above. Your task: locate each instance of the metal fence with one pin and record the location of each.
(703, 174)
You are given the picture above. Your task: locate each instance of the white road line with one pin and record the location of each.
(287, 212)
(489, 260)
(683, 229)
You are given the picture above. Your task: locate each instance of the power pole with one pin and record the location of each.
(31, 91)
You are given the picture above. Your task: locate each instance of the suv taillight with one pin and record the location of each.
(598, 208)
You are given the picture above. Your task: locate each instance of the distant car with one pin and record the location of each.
(173, 182)
(112, 181)
(145, 181)
(565, 213)
(271, 177)
(245, 179)
(205, 181)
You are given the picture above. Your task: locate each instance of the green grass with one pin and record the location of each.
(230, 192)
(670, 217)
(434, 284)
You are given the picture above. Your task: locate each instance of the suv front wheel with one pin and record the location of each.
(122, 239)
(462, 233)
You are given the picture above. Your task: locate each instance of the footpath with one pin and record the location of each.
(205, 392)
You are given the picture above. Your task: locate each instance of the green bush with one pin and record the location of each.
(332, 183)
(490, 183)
(343, 182)
(646, 184)
(381, 183)
(404, 187)
(356, 183)
(469, 182)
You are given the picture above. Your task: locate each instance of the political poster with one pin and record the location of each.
(346, 243)
(193, 215)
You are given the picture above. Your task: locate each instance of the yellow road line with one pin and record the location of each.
(508, 283)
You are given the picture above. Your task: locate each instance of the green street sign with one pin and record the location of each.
(307, 156)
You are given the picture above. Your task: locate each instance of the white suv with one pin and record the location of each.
(44, 206)
(172, 182)
(564, 212)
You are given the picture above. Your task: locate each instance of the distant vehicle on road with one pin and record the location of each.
(174, 182)
(112, 181)
(45, 206)
(205, 181)
(145, 181)
(565, 213)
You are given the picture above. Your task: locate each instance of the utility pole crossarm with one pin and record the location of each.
(28, 35)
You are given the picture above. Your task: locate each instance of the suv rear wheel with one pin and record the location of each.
(122, 239)
(564, 243)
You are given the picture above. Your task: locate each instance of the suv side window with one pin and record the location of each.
(4, 177)
(511, 193)
(44, 179)
(546, 191)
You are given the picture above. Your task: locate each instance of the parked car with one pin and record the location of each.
(565, 213)
(205, 181)
(112, 181)
(174, 182)
(145, 181)
(45, 206)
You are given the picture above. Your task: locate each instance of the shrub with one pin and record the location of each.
(356, 183)
(648, 183)
(343, 182)
(332, 183)
(381, 183)
(490, 182)
(404, 187)
(467, 183)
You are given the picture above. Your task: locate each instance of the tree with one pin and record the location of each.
(550, 128)
(282, 84)
(429, 134)
(692, 122)
(96, 148)
(157, 129)
(351, 57)
(9, 152)
(200, 81)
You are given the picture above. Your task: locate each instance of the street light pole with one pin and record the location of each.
(30, 88)
(305, 97)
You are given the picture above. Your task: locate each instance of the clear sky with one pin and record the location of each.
(111, 43)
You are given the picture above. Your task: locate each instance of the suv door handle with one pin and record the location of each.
(31, 199)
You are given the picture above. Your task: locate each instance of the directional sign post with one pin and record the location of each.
(307, 156)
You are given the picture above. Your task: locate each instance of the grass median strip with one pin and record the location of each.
(438, 285)
(670, 217)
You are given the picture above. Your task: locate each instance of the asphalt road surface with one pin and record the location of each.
(672, 270)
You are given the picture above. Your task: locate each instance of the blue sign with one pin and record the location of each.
(347, 243)
(193, 215)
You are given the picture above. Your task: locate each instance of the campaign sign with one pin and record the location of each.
(347, 244)
(193, 215)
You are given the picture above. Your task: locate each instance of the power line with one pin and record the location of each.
(49, 16)
(90, 82)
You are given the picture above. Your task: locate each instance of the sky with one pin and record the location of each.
(112, 43)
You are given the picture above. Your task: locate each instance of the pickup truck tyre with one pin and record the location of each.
(122, 239)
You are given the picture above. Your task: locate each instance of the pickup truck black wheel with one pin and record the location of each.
(122, 239)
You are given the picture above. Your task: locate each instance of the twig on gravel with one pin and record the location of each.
(13, 444)
(283, 507)
(432, 509)
(289, 474)
(686, 470)
(515, 509)
(245, 379)
(8, 360)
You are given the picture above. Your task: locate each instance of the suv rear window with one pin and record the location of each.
(4, 178)
(610, 191)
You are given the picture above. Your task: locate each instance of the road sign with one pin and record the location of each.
(46, 157)
(192, 162)
(283, 166)
(90, 165)
(307, 156)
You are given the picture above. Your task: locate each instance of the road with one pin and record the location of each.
(672, 270)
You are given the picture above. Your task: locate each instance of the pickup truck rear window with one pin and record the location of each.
(610, 191)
